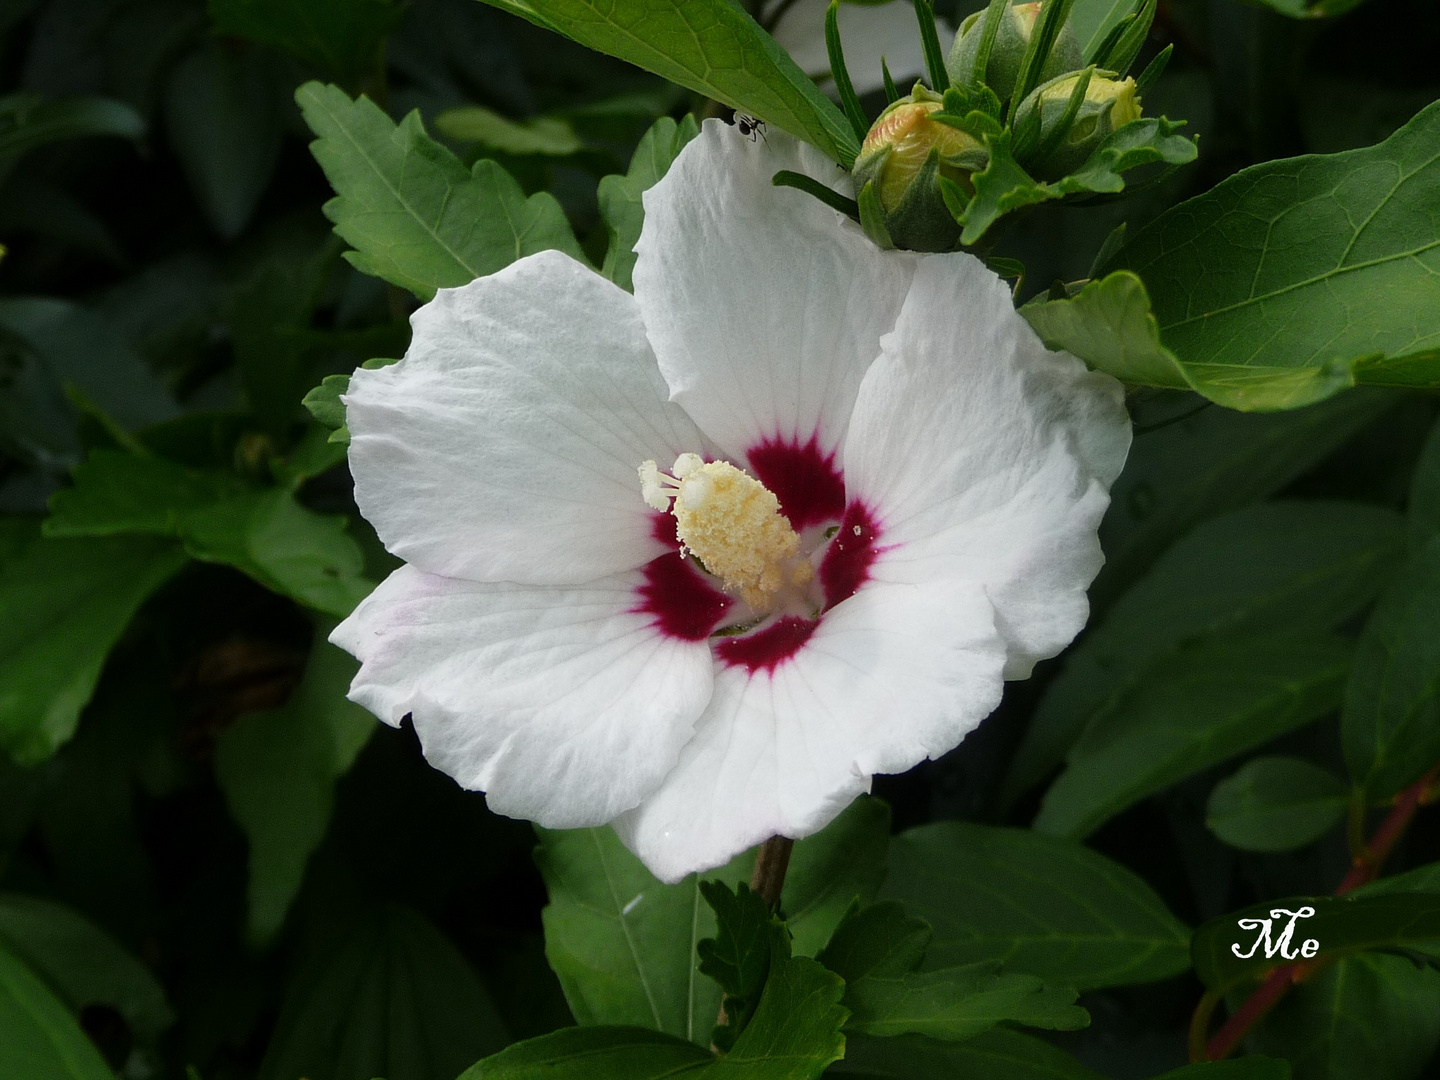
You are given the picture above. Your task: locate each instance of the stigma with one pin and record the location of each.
(732, 523)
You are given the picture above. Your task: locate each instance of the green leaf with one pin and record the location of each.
(81, 963)
(1202, 461)
(1108, 324)
(619, 196)
(1391, 722)
(1003, 185)
(392, 998)
(958, 1003)
(1092, 20)
(1341, 926)
(325, 405)
(268, 319)
(749, 939)
(1000, 1054)
(413, 213)
(714, 48)
(278, 770)
(1040, 905)
(343, 38)
(27, 120)
(599, 1053)
(1364, 1016)
(794, 1036)
(262, 532)
(1296, 278)
(544, 136)
(1276, 804)
(39, 1039)
(879, 940)
(877, 950)
(222, 114)
(1193, 708)
(1243, 572)
(1424, 509)
(67, 603)
(1311, 9)
(623, 945)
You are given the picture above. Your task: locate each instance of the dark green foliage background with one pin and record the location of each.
(214, 863)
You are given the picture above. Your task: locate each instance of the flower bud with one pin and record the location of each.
(1017, 23)
(904, 154)
(1109, 104)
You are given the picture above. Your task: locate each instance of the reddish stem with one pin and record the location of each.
(1364, 869)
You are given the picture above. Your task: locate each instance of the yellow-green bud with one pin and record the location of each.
(1109, 104)
(1017, 23)
(904, 155)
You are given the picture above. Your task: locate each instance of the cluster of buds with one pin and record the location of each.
(1014, 66)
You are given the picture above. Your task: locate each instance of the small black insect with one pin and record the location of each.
(752, 127)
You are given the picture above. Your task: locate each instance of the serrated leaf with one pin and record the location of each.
(620, 196)
(714, 48)
(623, 944)
(325, 405)
(1276, 804)
(278, 769)
(1191, 709)
(390, 997)
(82, 964)
(413, 213)
(749, 942)
(1039, 905)
(794, 1036)
(1341, 926)
(1296, 278)
(39, 1039)
(1242, 572)
(1391, 722)
(262, 532)
(67, 602)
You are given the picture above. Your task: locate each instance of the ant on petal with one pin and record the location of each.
(752, 127)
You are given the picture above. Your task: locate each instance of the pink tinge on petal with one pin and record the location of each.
(680, 599)
(767, 649)
(847, 561)
(804, 478)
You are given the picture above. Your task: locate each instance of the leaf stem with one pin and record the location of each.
(1366, 867)
(772, 859)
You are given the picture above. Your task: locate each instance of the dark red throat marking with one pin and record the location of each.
(767, 649)
(806, 480)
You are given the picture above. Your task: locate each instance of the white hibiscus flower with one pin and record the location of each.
(939, 474)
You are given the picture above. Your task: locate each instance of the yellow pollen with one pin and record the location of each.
(732, 523)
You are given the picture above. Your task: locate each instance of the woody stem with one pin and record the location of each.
(772, 859)
(1366, 866)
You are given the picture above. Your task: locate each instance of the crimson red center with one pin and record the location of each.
(685, 603)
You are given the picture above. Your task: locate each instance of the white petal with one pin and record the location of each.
(505, 445)
(893, 675)
(986, 457)
(562, 704)
(764, 306)
(867, 32)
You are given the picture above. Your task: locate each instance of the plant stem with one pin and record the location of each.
(1365, 868)
(772, 859)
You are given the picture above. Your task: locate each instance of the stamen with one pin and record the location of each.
(732, 523)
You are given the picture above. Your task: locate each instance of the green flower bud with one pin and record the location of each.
(1109, 103)
(1006, 54)
(904, 155)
